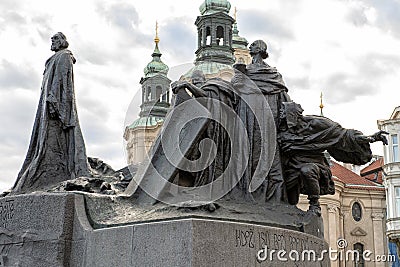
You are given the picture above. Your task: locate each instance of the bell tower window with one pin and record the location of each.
(220, 35)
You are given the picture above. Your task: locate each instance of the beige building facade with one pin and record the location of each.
(356, 214)
(391, 175)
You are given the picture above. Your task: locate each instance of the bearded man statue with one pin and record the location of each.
(56, 151)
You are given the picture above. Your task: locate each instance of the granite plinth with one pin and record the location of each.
(36, 229)
(55, 230)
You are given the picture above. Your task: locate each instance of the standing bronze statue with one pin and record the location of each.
(56, 150)
(270, 85)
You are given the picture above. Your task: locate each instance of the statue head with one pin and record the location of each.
(198, 78)
(259, 47)
(58, 42)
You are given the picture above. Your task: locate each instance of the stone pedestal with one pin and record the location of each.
(54, 230)
(36, 230)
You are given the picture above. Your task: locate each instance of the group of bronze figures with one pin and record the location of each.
(262, 145)
(288, 152)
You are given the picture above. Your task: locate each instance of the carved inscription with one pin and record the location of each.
(277, 240)
(245, 238)
(6, 212)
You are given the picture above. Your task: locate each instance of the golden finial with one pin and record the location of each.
(321, 106)
(156, 39)
(235, 14)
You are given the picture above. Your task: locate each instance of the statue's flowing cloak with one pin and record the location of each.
(307, 143)
(220, 96)
(200, 123)
(255, 112)
(56, 151)
(271, 84)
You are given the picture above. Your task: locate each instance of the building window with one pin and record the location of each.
(208, 36)
(397, 198)
(356, 211)
(359, 260)
(148, 94)
(395, 147)
(158, 93)
(220, 35)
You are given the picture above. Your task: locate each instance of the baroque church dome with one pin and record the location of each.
(214, 6)
(156, 66)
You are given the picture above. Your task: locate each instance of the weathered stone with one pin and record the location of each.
(36, 229)
(55, 230)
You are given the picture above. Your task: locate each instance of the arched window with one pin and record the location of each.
(220, 35)
(148, 94)
(356, 211)
(359, 259)
(158, 93)
(208, 36)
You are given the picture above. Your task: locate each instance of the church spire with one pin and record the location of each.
(156, 66)
(238, 41)
(321, 106)
(156, 39)
(235, 29)
(239, 44)
(156, 53)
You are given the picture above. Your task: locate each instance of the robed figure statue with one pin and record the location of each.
(261, 90)
(56, 151)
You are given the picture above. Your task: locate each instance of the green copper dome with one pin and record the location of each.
(156, 66)
(214, 6)
(149, 121)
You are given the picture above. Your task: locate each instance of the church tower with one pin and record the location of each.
(155, 86)
(141, 134)
(214, 54)
(214, 30)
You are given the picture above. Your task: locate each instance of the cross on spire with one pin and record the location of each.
(321, 106)
(156, 39)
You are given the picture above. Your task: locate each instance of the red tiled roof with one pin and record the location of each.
(353, 180)
(376, 177)
(373, 172)
(373, 167)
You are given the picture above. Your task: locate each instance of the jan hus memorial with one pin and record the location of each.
(219, 186)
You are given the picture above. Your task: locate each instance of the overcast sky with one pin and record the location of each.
(348, 49)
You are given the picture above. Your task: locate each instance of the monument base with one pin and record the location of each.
(54, 230)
